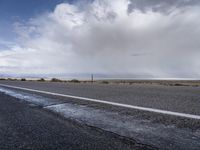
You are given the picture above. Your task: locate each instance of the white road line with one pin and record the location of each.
(109, 103)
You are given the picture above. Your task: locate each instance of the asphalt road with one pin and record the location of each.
(155, 129)
(23, 126)
(183, 99)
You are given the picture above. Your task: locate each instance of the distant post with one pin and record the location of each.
(92, 78)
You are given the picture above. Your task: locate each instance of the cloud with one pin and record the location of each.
(107, 37)
(165, 6)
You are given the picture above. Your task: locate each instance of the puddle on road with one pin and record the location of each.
(144, 131)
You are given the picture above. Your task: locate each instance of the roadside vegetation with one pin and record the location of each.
(104, 82)
(12, 79)
(194, 83)
(74, 81)
(55, 80)
(41, 80)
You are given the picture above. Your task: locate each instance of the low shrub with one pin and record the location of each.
(75, 81)
(41, 80)
(55, 80)
(12, 79)
(105, 82)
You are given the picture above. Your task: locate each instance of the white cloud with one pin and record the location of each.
(104, 37)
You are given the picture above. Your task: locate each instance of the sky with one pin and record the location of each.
(112, 38)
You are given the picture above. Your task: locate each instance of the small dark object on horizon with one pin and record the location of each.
(179, 84)
(75, 81)
(23, 79)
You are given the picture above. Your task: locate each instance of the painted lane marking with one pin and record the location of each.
(191, 116)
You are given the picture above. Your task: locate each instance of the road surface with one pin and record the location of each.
(164, 117)
(183, 99)
(26, 127)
